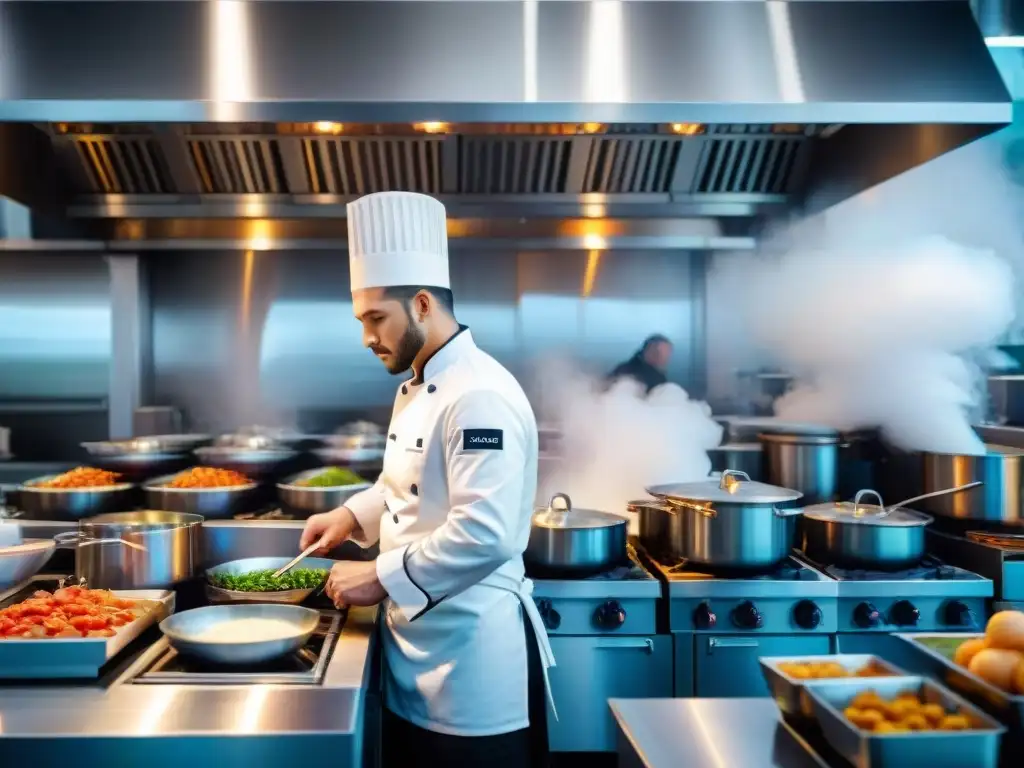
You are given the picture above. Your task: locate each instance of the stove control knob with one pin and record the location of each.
(704, 617)
(866, 616)
(959, 614)
(746, 616)
(904, 614)
(807, 615)
(611, 615)
(551, 618)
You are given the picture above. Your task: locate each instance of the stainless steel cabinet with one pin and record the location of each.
(726, 666)
(591, 670)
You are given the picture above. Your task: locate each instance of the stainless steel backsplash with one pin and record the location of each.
(54, 352)
(254, 337)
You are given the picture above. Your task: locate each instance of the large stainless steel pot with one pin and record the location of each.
(742, 457)
(727, 523)
(804, 461)
(997, 502)
(166, 550)
(576, 542)
(857, 535)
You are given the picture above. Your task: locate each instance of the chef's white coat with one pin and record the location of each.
(452, 511)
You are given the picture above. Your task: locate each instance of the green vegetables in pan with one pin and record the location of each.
(332, 477)
(264, 581)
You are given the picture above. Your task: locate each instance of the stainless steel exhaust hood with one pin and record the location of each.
(286, 109)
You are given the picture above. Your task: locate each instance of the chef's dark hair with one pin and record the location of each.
(405, 294)
(650, 341)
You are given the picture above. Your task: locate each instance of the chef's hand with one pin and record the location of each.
(333, 527)
(355, 582)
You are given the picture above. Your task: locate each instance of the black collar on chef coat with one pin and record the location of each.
(443, 357)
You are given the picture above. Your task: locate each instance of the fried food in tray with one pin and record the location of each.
(70, 612)
(79, 478)
(199, 478)
(828, 670)
(906, 712)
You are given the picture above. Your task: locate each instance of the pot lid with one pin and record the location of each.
(737, 447)
(858, 513)
(560, 514)
(732, 487)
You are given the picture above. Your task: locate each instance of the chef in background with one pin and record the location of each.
(650, 363)
(465, 650)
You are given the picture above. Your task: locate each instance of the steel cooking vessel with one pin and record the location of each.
(997, 502)
(806, 461)
(74, 503)
(211, 503)
(567, 541)
(185, 632)
(851, 534)
(731, 522)
(742, 457)
(311, 499)
(167, 551)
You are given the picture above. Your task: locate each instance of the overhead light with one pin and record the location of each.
(592, 127)
(687, 129)
(325, 126)
(1009, 41)
(431, 127)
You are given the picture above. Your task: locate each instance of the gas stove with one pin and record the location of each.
(720, 623)
(603, 631)
(988, 556)
(163, 665)
(931, 597)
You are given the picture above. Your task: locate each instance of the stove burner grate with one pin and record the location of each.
(678, 568)
(930, 569)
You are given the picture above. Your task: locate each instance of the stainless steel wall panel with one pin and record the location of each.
(310, 367)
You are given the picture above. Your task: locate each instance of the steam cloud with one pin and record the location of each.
(616, 441)
(882, 308)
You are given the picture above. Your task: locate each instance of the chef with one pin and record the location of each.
(465, 652)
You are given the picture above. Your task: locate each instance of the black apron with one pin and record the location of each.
(405, 745)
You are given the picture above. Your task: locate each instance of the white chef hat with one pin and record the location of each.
(397, 238)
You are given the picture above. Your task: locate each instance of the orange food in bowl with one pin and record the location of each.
(81, 477)
(209, 477)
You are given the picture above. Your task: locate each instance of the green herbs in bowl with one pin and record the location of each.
(264, 581)
(332, 477)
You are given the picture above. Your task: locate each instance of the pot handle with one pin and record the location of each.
(792, 512)
(858, 512)
(75, 539)
(736, 476)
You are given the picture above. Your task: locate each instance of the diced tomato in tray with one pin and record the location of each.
(71, 612)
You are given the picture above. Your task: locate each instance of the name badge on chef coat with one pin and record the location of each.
(482, 440)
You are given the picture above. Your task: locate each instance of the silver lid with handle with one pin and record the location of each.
(732, 487)
(858, 513)
(560, 514)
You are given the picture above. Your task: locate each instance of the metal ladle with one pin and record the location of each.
(886, 511)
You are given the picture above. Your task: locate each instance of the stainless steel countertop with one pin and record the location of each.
(706, 733)
(123, 710)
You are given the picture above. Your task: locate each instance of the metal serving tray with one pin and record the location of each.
(789, 692)
(65, 658)
(923, 660)
(977, 748)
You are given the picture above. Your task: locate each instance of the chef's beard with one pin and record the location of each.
(409, 346)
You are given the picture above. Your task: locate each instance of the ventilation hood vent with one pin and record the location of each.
(289, 109)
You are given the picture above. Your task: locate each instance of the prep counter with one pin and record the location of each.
(707, 733)
(200, 726)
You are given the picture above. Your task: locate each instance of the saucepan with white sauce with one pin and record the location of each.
(249, 633)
